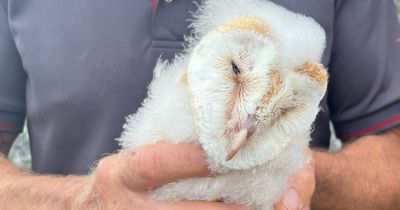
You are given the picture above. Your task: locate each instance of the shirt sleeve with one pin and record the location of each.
(12, 80)
(364, 89)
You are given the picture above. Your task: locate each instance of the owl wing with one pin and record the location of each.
(166, 112)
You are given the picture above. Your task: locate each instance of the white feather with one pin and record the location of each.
(195, 111)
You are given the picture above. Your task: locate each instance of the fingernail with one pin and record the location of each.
(291, 199)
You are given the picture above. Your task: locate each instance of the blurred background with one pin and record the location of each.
(21, 156)
(397, 2)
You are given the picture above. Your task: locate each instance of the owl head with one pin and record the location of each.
(253, 93)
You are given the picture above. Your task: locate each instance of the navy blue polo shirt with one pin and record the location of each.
(76, 68)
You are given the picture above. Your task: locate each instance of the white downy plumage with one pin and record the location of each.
(247, 88)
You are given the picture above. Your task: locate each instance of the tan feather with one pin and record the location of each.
(315, 71)
(246, 23)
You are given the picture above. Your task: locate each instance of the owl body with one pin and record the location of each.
(247, 88)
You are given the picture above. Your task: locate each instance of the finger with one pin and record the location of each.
(289, 201)
(280, 206)
(199, 205)
(157, 164)
(309, 155)
(303, 182)
(301, 188)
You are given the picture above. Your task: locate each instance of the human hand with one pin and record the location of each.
(301, 188)
(121, 181)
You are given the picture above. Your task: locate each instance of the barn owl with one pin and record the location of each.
(247, 89)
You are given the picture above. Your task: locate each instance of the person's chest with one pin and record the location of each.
(78, 52)
(103, 34)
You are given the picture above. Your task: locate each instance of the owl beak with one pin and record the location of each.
(237, 142)
(239, 138)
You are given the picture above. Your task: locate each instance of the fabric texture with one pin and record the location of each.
(77, 68)
(365, 68)
(12, 79)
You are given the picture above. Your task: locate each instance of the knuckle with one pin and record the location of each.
(106, 170)
(306, 174)
(309, 176)
(102, 167)
(147, 165)
(104, 163)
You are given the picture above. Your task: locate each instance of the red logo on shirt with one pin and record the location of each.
(154, 5)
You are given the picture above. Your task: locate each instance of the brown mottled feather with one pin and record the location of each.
(184, 78)
(246, 23)
(315, 71)
(274, 88)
